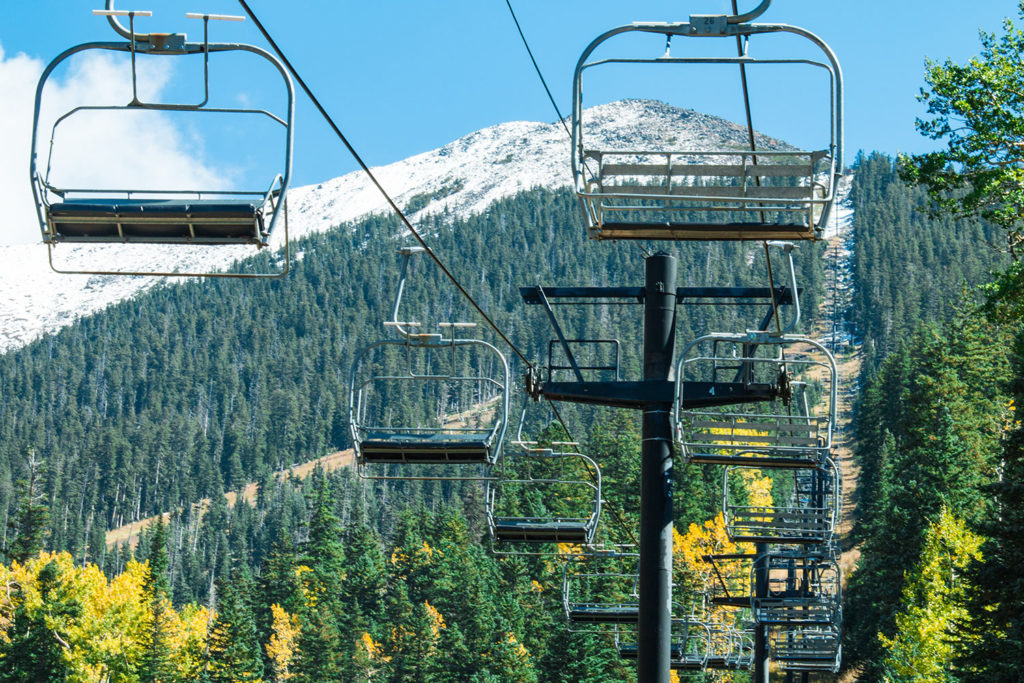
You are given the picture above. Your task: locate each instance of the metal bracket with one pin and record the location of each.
(708, 24)
(165, 42)
(561, 337)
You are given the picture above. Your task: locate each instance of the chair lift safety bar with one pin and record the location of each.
(83, 215)
(660, 192)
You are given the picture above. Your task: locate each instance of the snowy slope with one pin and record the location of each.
(464, 177)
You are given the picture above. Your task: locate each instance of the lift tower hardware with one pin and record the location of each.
(654, 395)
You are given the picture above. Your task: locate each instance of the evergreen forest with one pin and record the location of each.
(161, 410)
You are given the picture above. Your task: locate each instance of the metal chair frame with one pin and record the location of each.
(803, 589)
(810, 520)
(581, 611)
(426, 445)
(758, 438)
(807, 648)
(577, 530)
(815, 171)
(123, 216)
(691, 644)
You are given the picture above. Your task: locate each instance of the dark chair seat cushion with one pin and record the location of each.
(195, 221)
(424, 448)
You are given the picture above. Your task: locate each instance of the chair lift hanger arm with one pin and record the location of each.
(752, 14)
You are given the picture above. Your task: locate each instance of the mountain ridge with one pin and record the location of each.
(463, 177)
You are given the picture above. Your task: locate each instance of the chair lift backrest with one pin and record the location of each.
(122, 207)
(599, 197)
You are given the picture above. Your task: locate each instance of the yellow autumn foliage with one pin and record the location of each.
(436, 620)
(371, 648)
(187, 635)
(520, 649)
(759, 487)
(933, 600)
(284, 641)
(107, 637)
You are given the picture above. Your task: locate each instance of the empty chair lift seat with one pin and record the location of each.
(603, 613)
(761, 440)
(162, 221)
(795, 609)
(425, 448)
(680, 661)
(630, 650)
(713, 195)
(525, 530)
(807, 649)
(746, 524)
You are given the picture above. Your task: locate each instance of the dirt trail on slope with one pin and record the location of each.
(839, 276)
(130, 532)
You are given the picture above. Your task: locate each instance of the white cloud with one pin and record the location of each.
(93, 149)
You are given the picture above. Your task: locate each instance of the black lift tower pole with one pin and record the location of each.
(655, 609)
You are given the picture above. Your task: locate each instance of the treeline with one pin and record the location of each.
(301, 586)
(193, 389)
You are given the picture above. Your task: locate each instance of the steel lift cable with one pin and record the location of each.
(753, 148)
(561, 119)
(419, 238)
(387, 197)
(543, 81)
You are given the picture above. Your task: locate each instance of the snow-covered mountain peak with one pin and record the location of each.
(462, 177)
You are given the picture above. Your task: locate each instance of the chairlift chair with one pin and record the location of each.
(161, 215)
(741, 657)
(807, 648)
(689, 650)
(464, 432)
(731, 648)
(803, 589)
(612, 575)
(727, 580)
(562, 479)
(466, 381)
(810, 517)
(659, 191)
(786, 432)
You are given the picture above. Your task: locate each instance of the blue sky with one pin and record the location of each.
(403, 77)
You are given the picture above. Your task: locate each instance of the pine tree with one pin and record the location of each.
(234, 645)
(992, 635)
(277, 585)
(28, 527)
(325, 641)
(34, 649)
(156, 666)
